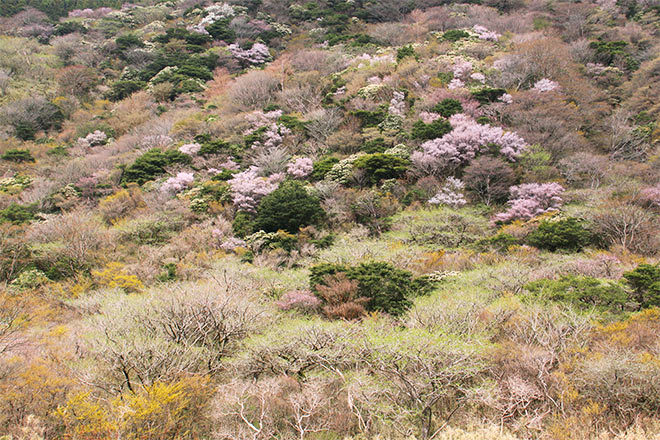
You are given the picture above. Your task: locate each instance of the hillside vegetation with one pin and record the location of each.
(334, 220)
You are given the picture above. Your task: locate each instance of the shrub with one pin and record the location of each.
(404, 52)
(387, 288)
(288, 208)
(448, 107)
(220, 30)
(645, 282)
(455, 35)
(300, 300)
(151, 165)
(340, 297)
(125, 88)
(381, 166)
(17, 155)
(434, 130)
(487, 95)
(114, 276)
(322, 167)
(121, 203)
(582, 291)
(565, 234)
(17, 214)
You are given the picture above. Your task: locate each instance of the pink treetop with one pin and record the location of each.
(301, 167)
(248, 188)
(462, 144)
(545, 85)
(177, 183)
(531, 199)
(450, 194)
(257, 54)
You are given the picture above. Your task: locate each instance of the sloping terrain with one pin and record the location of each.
(269, 219)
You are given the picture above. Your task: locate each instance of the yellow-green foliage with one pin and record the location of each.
(113, 276)
(161, 410)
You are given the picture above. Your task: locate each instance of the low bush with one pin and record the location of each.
(387, 288)
(448, 107)
(289, 208)
(645, 282)
(582, 291)
(18, 155)
(381, 166)
(151, 165)
(566, 234)
(434, 130)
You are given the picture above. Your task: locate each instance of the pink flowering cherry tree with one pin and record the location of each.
(463, 143)
(248, 188)
(531, 199)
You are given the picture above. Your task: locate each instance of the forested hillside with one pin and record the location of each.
(334, 220)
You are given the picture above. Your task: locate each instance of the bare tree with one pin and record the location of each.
(626, 141)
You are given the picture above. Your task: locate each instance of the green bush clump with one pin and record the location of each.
(151, 165)
(18, 155)
(369, 118)
(321, 167)
(243, 224)
(380, 166)
(125, 88)
(434, 130)
(448, 107)
(404, 52)
(486, 95)
(374, 146)
(566, 234)
(500, 242)
(16, 214)
(288, 208)
(455, 35)
(220, 30)
(645, 283)
(582, 291)
(388, 288)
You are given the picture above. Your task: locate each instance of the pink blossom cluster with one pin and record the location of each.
(213, 13)
(651, 196)
(478, 76)
(451, 194)
(300, 168)
(373, 59)
(257, 54)
(90, 13)
(484, 34)
(428, 117)
(461, 68)
(93, 139)
(232, 243)
(462, 144)
(190, 149)
(398, 104)
(545, 85)
(506, 99)
(301, 300)
(229, 164)
(247, 188)
(177, 183)
(531, 199)
(258, 119)
(275, 132)
(455, 84)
